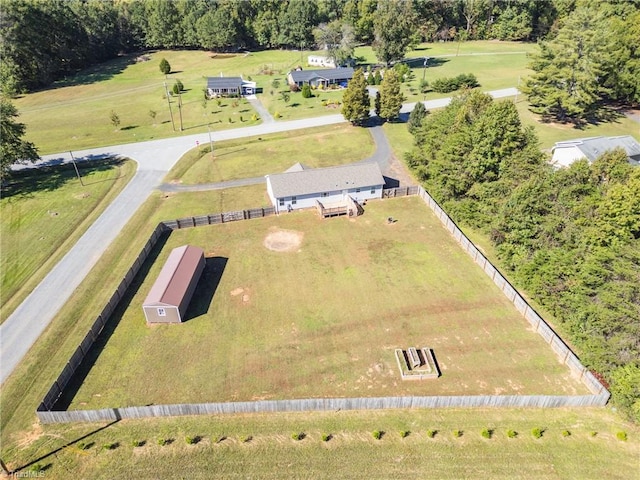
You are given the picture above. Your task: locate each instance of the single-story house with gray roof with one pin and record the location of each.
(301, 187)
(567, 152)
(321, 78)
(229, 87)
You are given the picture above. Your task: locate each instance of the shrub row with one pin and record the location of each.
(451, 84)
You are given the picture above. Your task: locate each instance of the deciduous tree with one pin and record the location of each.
(395, 29)
(13, 148)
(355, 100)
(390, 96)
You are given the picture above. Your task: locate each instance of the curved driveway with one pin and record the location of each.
(155, 158)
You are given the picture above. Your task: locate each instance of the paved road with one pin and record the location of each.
(155, 158)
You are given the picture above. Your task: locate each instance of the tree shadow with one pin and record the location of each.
(97, 73)
(53, 175)
(129, 127)
(206, 288)
(76, 381)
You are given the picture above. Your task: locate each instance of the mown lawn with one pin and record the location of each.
(324, 320)
(43, 212)
(257, 156)
(260, 446)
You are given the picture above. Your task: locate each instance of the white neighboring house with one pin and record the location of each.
(565, 153)
(320, 61)
(229, 87)
(300, 187)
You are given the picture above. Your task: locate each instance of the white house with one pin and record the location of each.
(320, 61)
(229, 87)
(565, 153)
(302, 187)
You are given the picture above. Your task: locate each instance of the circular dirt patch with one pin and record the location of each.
(283, 240)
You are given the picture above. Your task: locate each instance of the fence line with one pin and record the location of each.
(600, 395)
(565, 355)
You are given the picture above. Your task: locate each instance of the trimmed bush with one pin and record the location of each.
(457, 433)
(326, 437)
(110, 446)
(537, 432)
(377, 434)
(404, 433)
(192, 440)
(163, 441)
(85, 446)
(431, 433)
(246, 439)
(622, 436)
(138, 443)
(566, 433)
(306, 91)
(298, 436)
(593, 433)
(450, 84)
(486, 433)
(512, 433)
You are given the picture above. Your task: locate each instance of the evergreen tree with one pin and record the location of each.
(165, 67)
(377, 104)
(355, 100)
(567, 83)
(416, 117)
(13, 149)
(390, 96)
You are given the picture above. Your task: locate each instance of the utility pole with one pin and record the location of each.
(424, 70)
(169, 103)
(180, 109)
(73, 160)
(210, 141)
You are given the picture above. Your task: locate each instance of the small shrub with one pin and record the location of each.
(254, 117)
(163, 441)
(566, 433)
(306, 91)
(457, 433)
(537, 432)
(110, 446)
(277, 115)
(622, 436)
(294, 88)
(192, 440)
(404, 433)
(138, 443)
(377, 434)
(486, 433)
(593, 433)
(298, 436)
(36, 467)
(431, 433)
(246, 439)
(512, 433)
(326, 437)
(85, 446)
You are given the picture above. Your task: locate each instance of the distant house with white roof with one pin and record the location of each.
(567, 152)
(229, 87)
(301, 187)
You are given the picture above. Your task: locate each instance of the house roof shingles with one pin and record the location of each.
(326, 74)
(224, 82)
(593, 147)
(319, 180)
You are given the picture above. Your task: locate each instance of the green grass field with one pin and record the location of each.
(324, 320)
(223, 450)
(43, 212)
(257, 156)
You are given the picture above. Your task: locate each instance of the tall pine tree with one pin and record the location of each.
(390, 96)
(355, 100)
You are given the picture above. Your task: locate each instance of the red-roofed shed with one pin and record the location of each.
(169, 297)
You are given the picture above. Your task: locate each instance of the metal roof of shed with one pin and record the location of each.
(330, 179)
(174, 278)
(326, 74)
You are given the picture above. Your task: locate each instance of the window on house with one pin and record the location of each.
(162, 312)
(325, 194)
(373, 189)
(281, 202)
(357, 190)
(294, 200)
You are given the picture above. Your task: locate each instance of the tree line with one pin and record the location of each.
(42, 41)
(569, 237)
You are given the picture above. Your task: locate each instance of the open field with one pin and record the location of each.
(351, 453)
(324, 319)
(43, 212)
(257, 156)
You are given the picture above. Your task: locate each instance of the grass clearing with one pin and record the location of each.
(351, 452)
(257, 156)
(43, 213)
(300, 332)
